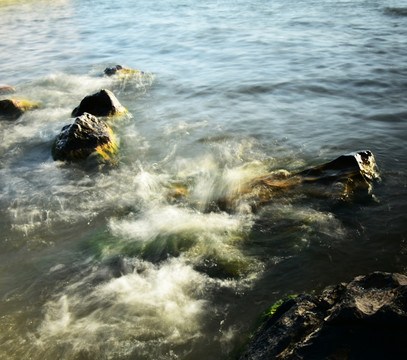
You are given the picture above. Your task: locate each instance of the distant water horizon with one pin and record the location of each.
(104, 262)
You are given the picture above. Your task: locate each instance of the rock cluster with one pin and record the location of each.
(364, 319)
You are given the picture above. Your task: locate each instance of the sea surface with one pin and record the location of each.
(134, 260)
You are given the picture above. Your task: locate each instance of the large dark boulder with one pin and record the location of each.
(12, 109)
(364, 319)
(102, 103)
(85, 136)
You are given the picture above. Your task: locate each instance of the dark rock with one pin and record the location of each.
(102, 103)
(343, 179)
(364, 319)
(357, 164)
(119, 70)
(86, 135)
(12, 109)
(6, 89)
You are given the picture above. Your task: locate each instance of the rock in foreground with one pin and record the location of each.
(86, 135)
(102, 103)
(364, 319)
(12, 109)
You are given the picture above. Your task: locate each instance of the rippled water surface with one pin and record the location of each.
(137, 260)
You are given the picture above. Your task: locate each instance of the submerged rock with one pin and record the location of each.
(341, 178)
(6, 89)
(119, 70)
(364, 319)
(360, 164)
(102, 103)
(86, 135)
(12, 109)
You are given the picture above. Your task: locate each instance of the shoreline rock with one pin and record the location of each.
(86, 135)
(6, 89)
(12, 109)
(121, 71)
(363, 319)
(102, 103)
(345, 177)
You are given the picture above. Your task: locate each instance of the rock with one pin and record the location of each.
(102, 103)
(119, 70)
(364, 319)
(341, 179)
(361, 164)
(12, 109)
(86, 135)
(6, 89)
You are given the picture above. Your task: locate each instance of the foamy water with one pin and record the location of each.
(142, 258)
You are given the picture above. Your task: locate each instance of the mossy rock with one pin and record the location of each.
(102, 103)
(12, 109)
(121, 71)
(85, 136)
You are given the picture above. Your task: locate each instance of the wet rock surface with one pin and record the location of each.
(12, 109)
(86, 135)
(120, 70)
(6, 89)
(344, 178)
(102, 103)
(364, 319)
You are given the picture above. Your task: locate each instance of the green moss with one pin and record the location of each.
(276, 305)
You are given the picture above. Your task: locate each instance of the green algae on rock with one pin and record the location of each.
(121, 71)
(12, 109)
(363, 319)
(85, 136)
(102, 103)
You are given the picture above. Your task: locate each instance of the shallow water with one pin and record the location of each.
(101, 261)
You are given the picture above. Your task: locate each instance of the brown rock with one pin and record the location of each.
(12, 109)
(6, 89)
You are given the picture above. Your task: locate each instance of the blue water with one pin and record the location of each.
(102, 263)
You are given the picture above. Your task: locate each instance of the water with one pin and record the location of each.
(102, 262)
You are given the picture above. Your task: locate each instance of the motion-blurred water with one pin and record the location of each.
(102, 263)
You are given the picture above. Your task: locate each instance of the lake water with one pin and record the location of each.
(100, 262)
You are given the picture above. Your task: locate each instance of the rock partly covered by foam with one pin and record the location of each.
(85, 136)
(102, 103)
(12, 109)
(6, 89)
(345, 177)
(120, 70)
(364, 319)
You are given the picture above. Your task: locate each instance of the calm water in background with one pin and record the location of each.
(100, 263)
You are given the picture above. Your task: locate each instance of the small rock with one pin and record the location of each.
(102, 103)
(6, 89)
(86, 135)
(12, 109)
(119, 70)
